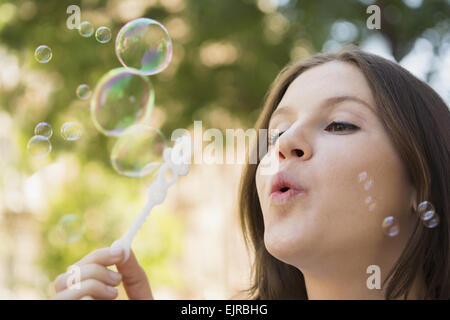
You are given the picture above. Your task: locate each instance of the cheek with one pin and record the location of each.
(361, 187)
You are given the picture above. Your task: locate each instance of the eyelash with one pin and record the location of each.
(335, 124)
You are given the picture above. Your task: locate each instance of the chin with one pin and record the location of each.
(285, 246)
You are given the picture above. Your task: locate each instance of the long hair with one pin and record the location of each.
(417, 121)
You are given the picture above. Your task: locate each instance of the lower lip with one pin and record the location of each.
(280, 198)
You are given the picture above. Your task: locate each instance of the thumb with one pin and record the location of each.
(134, 279)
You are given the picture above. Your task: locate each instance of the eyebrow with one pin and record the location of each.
(326, 103)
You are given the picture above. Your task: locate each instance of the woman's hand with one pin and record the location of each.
(98, 282)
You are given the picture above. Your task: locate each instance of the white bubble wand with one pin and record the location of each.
(176, 159)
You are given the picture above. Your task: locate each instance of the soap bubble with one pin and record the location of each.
(362, 176)
(139, 151)
(432, 221)
(86, 29)
(390, 226)
(71, 131)
(70, 228)
(427, 214)
(103, 34)
(424, 207)
(144, 45)
(83, 91)
(43, 54)
(368, 185)
(121, 99)
(43, 129)
(39, 146)
(429, 218)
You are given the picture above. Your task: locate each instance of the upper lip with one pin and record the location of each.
(284, 179)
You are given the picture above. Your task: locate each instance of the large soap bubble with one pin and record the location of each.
(139, 151)
(144, 45)
(121, 98)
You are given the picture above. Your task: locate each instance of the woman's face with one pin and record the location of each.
(337, 151)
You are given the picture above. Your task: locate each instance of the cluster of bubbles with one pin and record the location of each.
(39, 146)
(102, 34)
(362, 177)
(390, 226)
(428, 215)
(43, 53)
(121, 104)
(123, 99)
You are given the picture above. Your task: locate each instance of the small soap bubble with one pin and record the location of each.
(103, 34)
(368, 200)
(368, 185)
(83, 91)
(43, 129)
(43, 54)
(372, 206)
(86, 29)
(427, 215)
(432, 222)
(138, 152)
(71, 131)
(70, 228)
(390, 226)
(424, 207)
(145, 45)
(112, 109)
(39, 146)
(362, 176)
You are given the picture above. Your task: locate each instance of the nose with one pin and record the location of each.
(293, 144)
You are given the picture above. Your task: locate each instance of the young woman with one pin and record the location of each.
(362, 145)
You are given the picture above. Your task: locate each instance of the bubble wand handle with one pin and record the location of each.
(176, 159)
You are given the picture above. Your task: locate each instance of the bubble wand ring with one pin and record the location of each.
(176, 160)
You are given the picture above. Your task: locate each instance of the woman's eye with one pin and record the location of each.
(341, 126)
(335, 126)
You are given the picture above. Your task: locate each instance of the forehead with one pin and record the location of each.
(334, 78)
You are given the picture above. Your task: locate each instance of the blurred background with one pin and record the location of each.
(225, 55)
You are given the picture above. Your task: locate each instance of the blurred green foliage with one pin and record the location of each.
(260, 40)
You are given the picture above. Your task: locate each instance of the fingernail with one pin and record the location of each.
(115, 275)
(111, 289)
(115, 251)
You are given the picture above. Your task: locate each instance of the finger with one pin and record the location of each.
(134, 279)
(105, 257)
(87, 271)
(90, 287)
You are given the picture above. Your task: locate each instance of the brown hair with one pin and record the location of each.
(418, 122)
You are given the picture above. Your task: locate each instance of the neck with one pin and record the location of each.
(355, 277)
